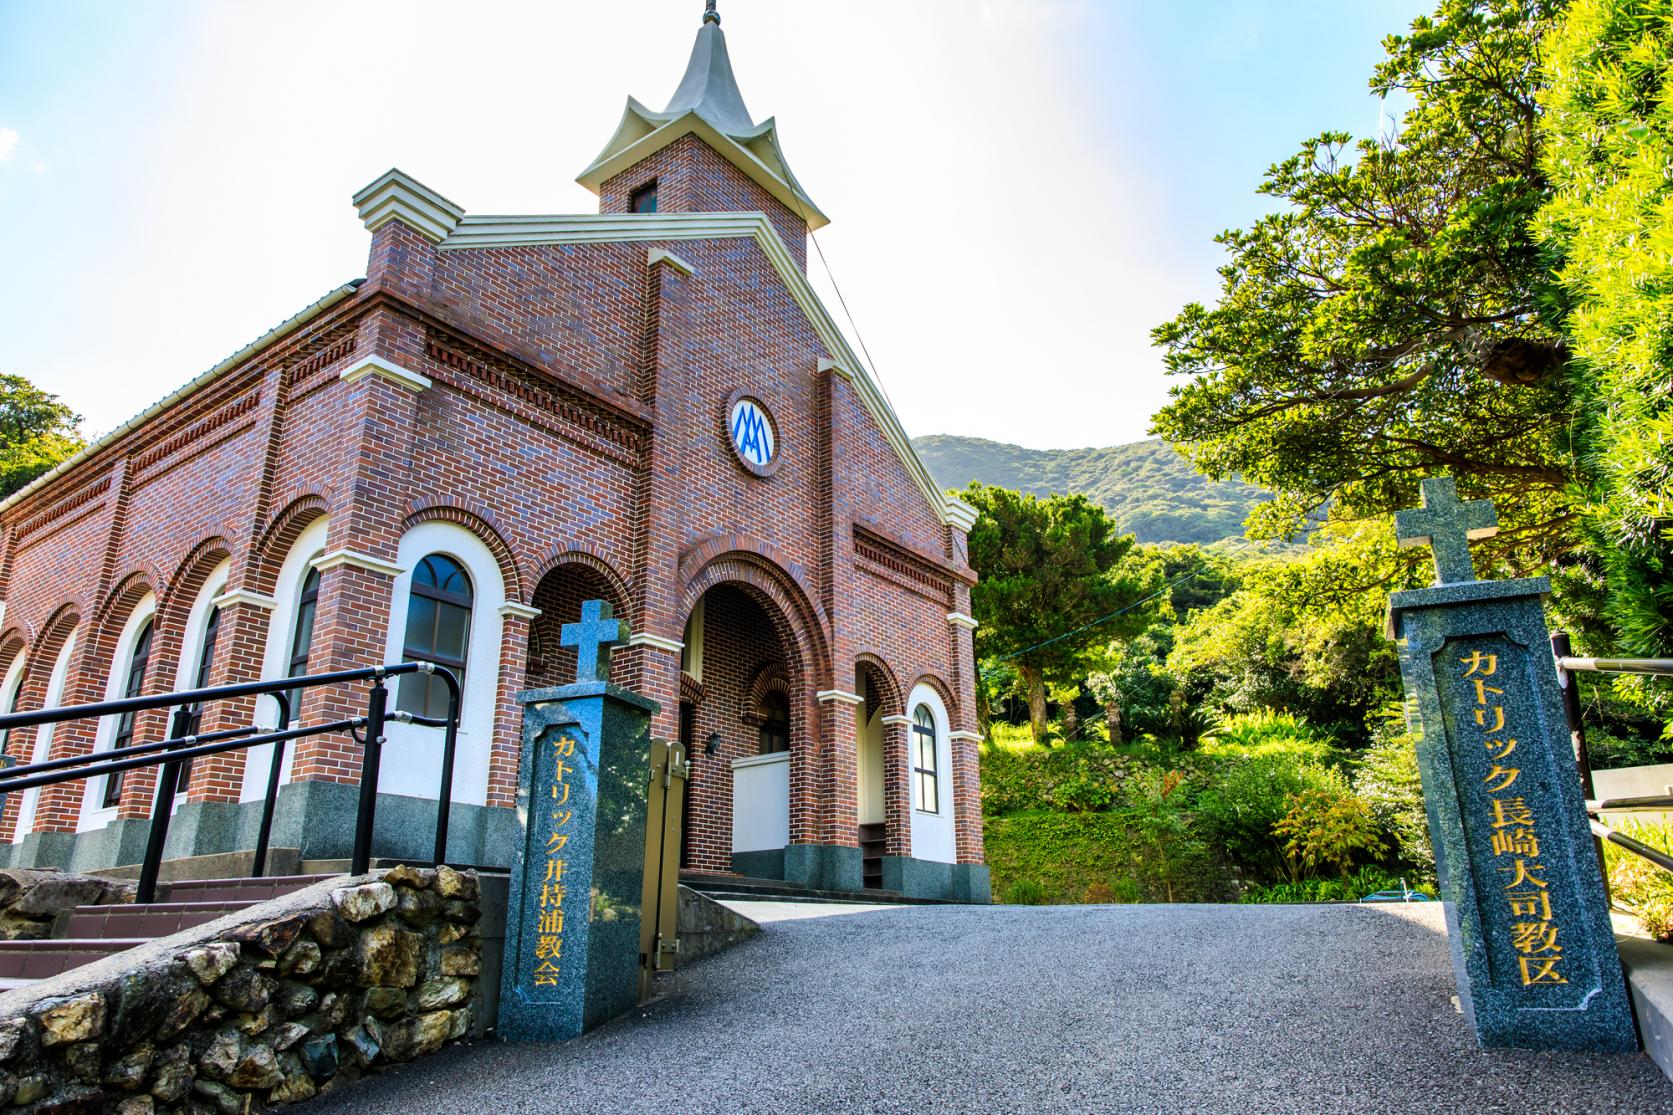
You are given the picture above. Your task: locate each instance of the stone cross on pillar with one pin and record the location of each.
(1527, 918)
(571, 957)
(1446, 525)
(593, 638)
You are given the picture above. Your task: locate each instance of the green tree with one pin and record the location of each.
(37, 431)
(1396, 317)
(1050, 569)
(1608, 141)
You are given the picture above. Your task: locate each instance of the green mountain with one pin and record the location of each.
(1150, 489)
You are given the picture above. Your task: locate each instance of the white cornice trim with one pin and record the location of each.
(959, 619)
(840, 696)
(284, 328)
(897, 719)
(836, 366)
(245, 596)
(327, 562)
(662, 255)
(383, 369)
(513, 610)
(394, 196)
(516, 231)
(655, 642)
(973, 737)
(761, 760)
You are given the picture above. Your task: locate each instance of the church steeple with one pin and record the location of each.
(707, 104)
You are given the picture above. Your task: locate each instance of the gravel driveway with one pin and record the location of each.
(1036, 1009)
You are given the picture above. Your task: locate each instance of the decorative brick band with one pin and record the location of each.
(334, 346)
(200, 432)
(58, 510)
(336, 558)
(504, 377)
(911, 570)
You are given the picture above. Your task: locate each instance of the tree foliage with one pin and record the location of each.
(1049, 568)
(37, 431)
(1608, 144)
(1396, 317)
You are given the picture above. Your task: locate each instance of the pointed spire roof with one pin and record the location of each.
(707, 103)
(708, 88)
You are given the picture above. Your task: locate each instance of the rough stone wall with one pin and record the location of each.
(30, 901)
(271, 1006)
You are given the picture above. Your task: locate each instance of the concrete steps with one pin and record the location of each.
(84, 934)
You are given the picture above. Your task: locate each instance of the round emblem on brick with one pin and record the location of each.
(753, 435)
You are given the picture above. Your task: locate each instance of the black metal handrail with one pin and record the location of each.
(1568, 665)
(182, 746)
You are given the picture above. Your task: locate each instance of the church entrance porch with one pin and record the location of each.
(744, 705)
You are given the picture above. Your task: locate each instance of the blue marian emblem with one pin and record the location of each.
(752, 434)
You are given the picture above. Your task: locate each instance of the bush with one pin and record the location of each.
(1024, 892)
(1351, 888)
(1324, 828)
(1075, 778)
(1265, 732)
(1067, 853)
(1098, 894)
(1387, 781)
(1247, 799)
(1638, 884)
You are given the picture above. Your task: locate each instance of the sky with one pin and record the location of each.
(1020, 190)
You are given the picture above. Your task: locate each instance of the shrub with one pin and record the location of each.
(1098, 894)
(1324, 828)
(1349, 888)
(1638, 884)
(1066, 853)
(1387, 781)
(1024, 892)
(1247, 799)
(1265, 732)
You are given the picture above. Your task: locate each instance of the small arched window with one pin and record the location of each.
(924, 751)
(302, 637)
(132, 686)
(775, 723)
(438, 630)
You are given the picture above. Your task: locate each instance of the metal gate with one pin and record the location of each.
(659, 920)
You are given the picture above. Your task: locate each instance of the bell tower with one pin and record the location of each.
(703, 153)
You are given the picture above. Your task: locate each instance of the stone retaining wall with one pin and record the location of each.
(30, 899)
(268, 1006)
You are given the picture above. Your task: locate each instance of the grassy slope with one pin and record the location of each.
(1150, 489)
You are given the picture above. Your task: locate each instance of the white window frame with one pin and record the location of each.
(93, 814)
(43, 735)
(275, 658)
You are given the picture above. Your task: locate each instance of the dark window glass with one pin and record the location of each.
(775, 723)
(200, 680)
(644, 199)
(302, 640)
(132, 687)
(438, 630)
(923, 760)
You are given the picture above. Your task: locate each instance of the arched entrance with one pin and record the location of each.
(747, 729)
(878, 770)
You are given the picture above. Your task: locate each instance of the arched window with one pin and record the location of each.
(775, 723)
(923, 760)
(14, 690)
(438, 630)
(200, 680)
(133, 686)
(302, 640)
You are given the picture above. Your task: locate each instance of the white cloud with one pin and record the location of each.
(8, 143)
(39, 167)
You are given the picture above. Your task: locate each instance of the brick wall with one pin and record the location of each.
(574, 422)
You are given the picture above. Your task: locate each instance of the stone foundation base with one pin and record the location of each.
(316, 818)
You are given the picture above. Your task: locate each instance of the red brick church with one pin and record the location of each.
(440, 461)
